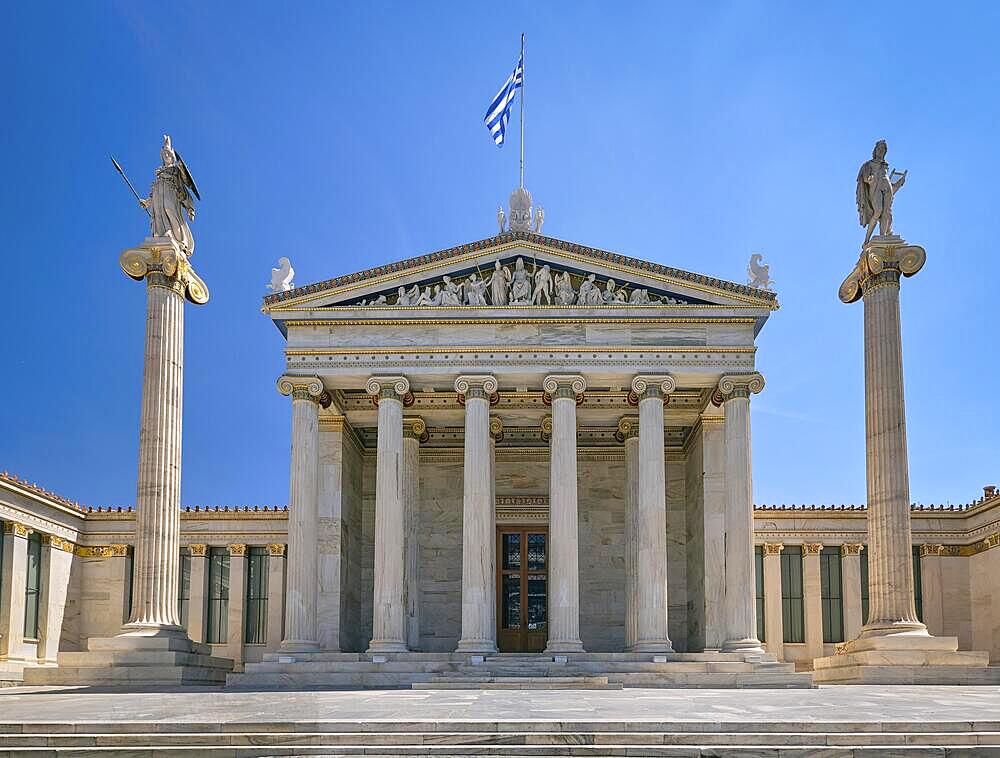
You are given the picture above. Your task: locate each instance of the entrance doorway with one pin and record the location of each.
(522, 589)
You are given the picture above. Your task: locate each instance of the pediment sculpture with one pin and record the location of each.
(513, 284)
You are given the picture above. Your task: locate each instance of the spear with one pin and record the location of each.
(122, 172)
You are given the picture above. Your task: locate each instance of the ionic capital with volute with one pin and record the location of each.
(851, 548)
(237, 550)
(305, 388)
(198, 550)
(546, 428)
(628, 428)
(773, 548)
(496, 428)
(812, 548)
(564, 386)
(390, 388)
(415, 428)
(882, 262)
(18, 530)
(740, 385)
(481, 386)
(651, 385)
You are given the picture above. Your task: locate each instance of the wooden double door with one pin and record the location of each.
(522, 589)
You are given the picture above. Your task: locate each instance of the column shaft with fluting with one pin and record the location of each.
(389, 596)
(651, 522)
(890, 570)
(564, 563)
(628, 433)
(478, 561)
(740, 613)
(301, 631)
(158, 491)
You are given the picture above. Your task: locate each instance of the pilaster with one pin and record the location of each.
(850, 572)
(15, 569)
(57, 561)
(237, 601)
(932, 587)
(812, 598)
(275, 595)
(198, 593)
(774, 626)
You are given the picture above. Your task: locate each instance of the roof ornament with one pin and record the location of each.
(520, 214)
(281, 277)
(759, 274)
(501, 219)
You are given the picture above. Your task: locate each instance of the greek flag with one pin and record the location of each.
(498, 114)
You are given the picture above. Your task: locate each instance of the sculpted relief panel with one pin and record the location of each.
(513, 284)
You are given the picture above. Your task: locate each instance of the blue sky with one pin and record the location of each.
(345, 136)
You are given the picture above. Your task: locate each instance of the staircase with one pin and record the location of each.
(516, 671)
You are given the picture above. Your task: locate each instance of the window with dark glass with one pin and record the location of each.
(218, 595)
(33, 586)
(184, 586)
(792, 607)
(510, 605)
(918, 590)
(758, 562)
(256, 603)
(864, 585)
(831, 590)
(129, 572)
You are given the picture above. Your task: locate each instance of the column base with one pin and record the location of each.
(564, 646)
(747, 645)
(652, 646)
(477, 647)
(156, 631)
(298, 646)
(907, 658)
(387, 646)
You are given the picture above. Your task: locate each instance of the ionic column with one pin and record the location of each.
(740, 614)
(651, 517)
(389, 604)
(774, 625)
(628, 433)
(564, 563)
(301, 632)
(850, 575)
(876, 279)
(812, 601)
(414, 432)
(478, 530)
(169, 278)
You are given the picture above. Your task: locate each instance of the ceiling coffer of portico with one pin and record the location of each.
(551, 273)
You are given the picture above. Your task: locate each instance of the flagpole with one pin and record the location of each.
(522, 111)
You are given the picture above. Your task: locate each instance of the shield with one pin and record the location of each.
(188, 179)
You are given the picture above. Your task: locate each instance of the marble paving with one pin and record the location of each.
(941, 708)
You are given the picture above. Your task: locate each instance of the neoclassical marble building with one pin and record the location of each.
(518, 445)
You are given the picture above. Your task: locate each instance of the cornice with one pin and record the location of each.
(522, 349)
(493, 321)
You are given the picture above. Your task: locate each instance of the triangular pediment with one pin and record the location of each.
(534, 271)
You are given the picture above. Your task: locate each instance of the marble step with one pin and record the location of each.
(126, 676)
(517, 683)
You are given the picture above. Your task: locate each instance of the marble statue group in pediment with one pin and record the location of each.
(517, 286)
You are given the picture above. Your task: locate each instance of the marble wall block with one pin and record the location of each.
(440, 541)
(984, 569)
(956, 605)
(103, 596)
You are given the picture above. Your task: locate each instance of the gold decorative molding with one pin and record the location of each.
(17, 529)
(117, 550)
(275, 549)
(812, 548)
(931, 549)
(772, 548)
(58, 543)
(198, 550)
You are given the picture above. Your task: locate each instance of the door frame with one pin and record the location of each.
(526, 641)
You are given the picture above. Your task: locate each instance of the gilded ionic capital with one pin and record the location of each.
(564, 386)
(390, 388)
(628, 428)
(851, 548)
(305, 388)
(546, 428)
(198, 551)
(276, 549)
(18, 530)
(651, 385)
(57, 543)
(415, 428)
(482, 386)
(772, 548)
(740, 385)
(237, 550)
(812, 548)
(882, 262)
(496, 428)
(164, 264)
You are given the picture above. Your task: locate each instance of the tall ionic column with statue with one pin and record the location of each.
(153, 635)
(894, 642)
